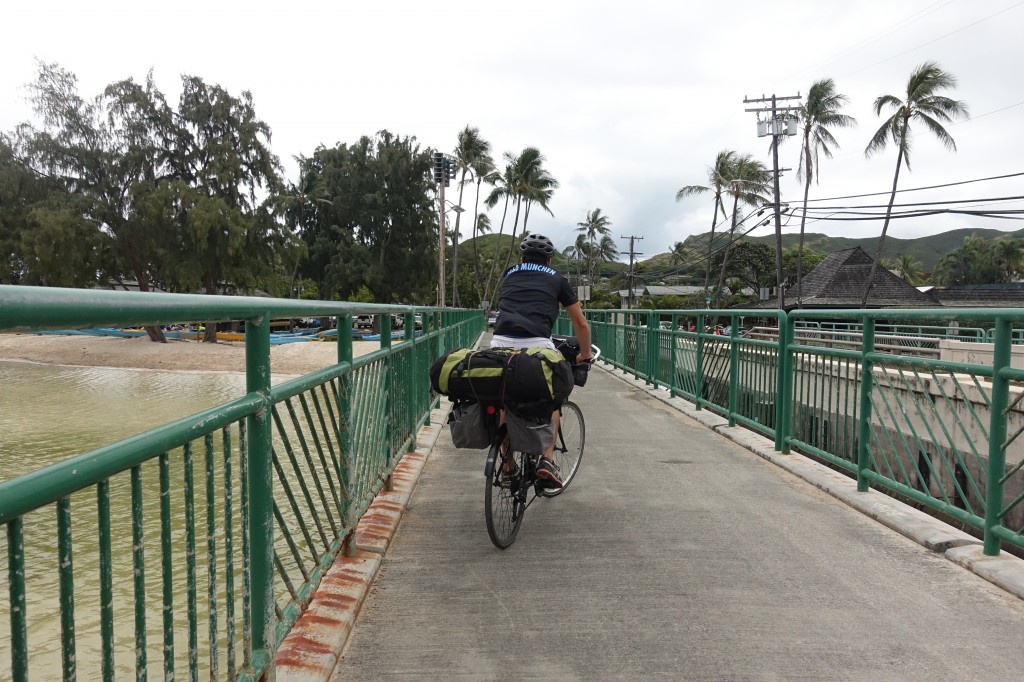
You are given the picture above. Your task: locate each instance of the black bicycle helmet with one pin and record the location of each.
(537, 244)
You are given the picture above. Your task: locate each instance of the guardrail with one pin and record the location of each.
(233, 514)
(941, 434)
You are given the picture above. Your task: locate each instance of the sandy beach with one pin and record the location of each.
(141, 353)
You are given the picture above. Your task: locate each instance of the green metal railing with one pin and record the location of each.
(940, 433)
(226, 520)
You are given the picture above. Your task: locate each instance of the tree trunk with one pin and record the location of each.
(800, 248)
(155, 333)
(476, 248)
(210, 335)
(711, 241)
(728, 246)
(497, 251)
(885, 225)
(455, 245)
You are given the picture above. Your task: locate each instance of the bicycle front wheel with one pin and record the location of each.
(504, 497)
(568, 446)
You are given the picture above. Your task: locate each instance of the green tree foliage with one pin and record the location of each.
(922, 104)
(717, 178)
(138, 190)
(473, 159)
(752, 263)
(596, 228)
(376, 225)
(747, 181)
(818, 113)
(37, 219)
(795, 257)
(982, 261)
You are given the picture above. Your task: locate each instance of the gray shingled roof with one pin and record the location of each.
(838, 282)
(982, 296)
(654, 290)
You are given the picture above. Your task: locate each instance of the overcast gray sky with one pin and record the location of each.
(628, 101)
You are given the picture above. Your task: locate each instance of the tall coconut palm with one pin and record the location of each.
(527, 183)
(469, 151)
(605, 251)
(483, 169)
(922, 104)
(716, 182)
(594, 228)
(575, 253)
(748, 183)
(819, 113)
(910, 269)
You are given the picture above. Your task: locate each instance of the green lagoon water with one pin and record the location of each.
(51, 413)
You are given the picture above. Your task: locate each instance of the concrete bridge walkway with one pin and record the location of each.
(675, 554)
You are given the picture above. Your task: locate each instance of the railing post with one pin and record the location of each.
(261, 485)
(698, 391)
(390, 427)
(867, 380)
(652, 348)
(784, 384)
(417, 373)
(672, 338)
(344, 323)
(997, 435)
(734, 371)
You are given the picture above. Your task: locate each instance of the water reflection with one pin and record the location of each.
(48, 414)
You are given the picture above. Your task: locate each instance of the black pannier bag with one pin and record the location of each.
(530, 434)
(468, 426)
(537, 380)
(569, 346)
(466, 374)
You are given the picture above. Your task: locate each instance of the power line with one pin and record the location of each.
(919, 203)
(962, 28)
(919, 189)
(856, 47)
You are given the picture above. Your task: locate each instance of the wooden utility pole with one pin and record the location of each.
(632, 239)
(777, 128)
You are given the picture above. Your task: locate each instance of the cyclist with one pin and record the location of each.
(530, 294)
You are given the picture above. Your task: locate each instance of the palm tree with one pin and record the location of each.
(819, 112)
(576, 252)
(594, 227)
(716, 182)
(748, 183)
(910, 269)
(528, 183)
(924, 105)
(471, 152)
(606, 251)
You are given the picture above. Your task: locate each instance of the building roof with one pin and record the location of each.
(982, 296)
(838, 282)
(672, 290)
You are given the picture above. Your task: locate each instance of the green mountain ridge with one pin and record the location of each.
(928, 250)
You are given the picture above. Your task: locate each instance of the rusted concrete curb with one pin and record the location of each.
(1005, 571)
(312, 649)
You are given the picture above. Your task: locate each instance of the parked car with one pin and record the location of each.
(492, 320)
(364, 321)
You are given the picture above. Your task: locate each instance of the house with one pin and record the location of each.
(838, 282)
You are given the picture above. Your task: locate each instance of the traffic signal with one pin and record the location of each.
(439, 160)
(446, 169)
(451, 169)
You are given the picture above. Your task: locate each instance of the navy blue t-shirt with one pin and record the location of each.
(530, 294)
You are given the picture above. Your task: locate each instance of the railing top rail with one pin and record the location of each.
(696, 311)
(911, 314)
(24, 308)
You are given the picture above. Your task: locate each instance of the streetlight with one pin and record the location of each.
(455, 208)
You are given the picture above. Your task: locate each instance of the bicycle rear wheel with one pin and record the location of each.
(504, 498)
(568, 446)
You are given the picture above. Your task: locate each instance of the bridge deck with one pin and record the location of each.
(675, 554)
